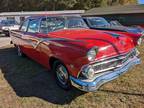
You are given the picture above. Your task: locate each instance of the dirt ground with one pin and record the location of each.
(26, 84)
(4, 41)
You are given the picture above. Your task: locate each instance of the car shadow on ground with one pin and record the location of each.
(29, 79)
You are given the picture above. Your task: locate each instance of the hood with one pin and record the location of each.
(109, 44)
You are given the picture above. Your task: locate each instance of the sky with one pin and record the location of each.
(141, 1)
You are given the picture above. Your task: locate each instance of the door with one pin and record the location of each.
(21, 39)
(32, 40)
(44, 45)
(47, 25)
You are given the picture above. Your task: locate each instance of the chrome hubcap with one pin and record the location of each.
(62, 74)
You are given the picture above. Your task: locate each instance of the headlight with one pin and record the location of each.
(92, 53)
(140, 40)
(88, 72)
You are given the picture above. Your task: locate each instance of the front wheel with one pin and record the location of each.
(61, 75)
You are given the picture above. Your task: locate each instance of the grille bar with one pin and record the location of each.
(114, 63)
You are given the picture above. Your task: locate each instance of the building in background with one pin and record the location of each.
(20, 16)
(126, 15)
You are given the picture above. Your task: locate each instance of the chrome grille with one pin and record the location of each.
(114, 62)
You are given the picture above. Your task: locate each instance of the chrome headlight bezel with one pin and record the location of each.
(91, 54)
(88, 72)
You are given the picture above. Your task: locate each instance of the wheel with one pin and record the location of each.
(11, 42)
(6, 33)
(19, 52)
(61, 75)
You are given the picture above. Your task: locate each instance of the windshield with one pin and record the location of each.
(97, 22)
(57, 23)
(8, 22)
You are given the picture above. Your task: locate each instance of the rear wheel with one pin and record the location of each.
(19, 52)
(61, 75)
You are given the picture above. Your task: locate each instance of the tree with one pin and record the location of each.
(41, 5)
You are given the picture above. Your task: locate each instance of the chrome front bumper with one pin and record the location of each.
(108, 76)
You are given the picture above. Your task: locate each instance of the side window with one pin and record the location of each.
(24, 26)
(55, 23)
(33, 26)
(43, 26)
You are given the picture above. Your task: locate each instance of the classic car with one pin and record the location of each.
(7, 25)
(99, 23)
(132, 28)
(79, 56)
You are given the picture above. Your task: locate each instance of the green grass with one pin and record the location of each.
(26, 84)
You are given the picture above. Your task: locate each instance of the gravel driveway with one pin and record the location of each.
(4, 41)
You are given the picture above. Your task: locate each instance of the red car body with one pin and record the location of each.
(71, 46)
(135, 37)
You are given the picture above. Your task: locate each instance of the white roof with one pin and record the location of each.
(41, 13)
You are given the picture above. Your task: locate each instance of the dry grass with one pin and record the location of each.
(26, 84)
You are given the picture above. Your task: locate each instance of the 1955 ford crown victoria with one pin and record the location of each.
(77, 55)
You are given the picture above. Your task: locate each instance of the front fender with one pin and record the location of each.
(73, 58)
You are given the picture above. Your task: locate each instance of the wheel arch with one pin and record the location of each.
(54, 59)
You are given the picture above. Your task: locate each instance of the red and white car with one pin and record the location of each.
(77, 55)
